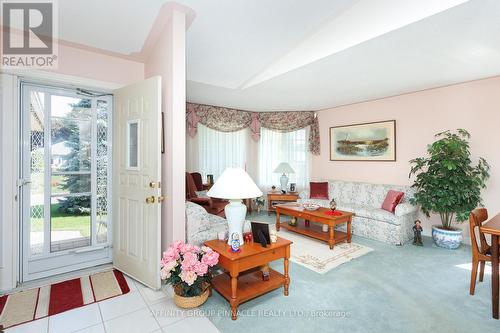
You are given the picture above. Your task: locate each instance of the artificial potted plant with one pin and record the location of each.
(188, 269)
(449, 184)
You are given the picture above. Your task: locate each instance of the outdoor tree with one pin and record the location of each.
(77, 139)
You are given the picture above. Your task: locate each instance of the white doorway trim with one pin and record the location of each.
(9, 244)
(10, 263)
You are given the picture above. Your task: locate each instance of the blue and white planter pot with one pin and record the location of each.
(448, 239)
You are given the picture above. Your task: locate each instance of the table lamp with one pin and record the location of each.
(235, 184)
(284, 168)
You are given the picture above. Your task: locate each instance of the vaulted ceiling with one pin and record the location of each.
(306, 54)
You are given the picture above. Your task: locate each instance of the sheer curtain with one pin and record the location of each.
(276, 147)
(220, 150)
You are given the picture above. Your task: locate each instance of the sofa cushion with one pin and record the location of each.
(392, 199)
(319, 190)
(376, 214)
(365, 193)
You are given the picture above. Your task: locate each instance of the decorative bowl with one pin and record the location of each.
(311, 206)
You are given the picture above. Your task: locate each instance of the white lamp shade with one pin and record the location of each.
(284, 167)
(234, 183)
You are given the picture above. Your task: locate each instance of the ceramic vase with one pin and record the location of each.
(447, 239)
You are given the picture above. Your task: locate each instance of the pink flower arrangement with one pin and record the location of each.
(188, 267)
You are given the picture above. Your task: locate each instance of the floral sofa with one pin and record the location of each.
(202, 226)
(365, 201)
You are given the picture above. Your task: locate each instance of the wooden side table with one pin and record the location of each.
(275, 197)
(243, 280)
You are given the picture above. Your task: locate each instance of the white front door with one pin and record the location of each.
(136, 186)
(65, 180)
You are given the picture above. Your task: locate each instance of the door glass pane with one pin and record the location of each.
(102, 172)
(70, 144)
(70, 222)
(69, 162)
(70, 107)
(133, 132)
(37, 169)
(70, 183)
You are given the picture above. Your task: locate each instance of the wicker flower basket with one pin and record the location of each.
(190, 302)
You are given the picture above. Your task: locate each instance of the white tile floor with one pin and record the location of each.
(141, 310)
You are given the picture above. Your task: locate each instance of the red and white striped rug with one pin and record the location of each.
(32, 304)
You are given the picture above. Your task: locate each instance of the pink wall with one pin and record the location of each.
(168, 60)
(90, 64)
(474, 106)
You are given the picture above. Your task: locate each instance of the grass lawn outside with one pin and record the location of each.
(63, 221)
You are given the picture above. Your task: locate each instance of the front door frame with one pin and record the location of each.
(72, 259)
(10, 253)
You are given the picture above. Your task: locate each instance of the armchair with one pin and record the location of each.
(198, 181)
(215, 207)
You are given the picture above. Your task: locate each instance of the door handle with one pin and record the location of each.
(151, 199)
(154, 185)
(22, 182)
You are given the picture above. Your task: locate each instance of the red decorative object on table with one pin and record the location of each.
(247, 237)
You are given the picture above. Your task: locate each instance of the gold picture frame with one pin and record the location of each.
(374, 141)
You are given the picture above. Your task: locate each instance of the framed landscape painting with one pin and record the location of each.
(364, 142)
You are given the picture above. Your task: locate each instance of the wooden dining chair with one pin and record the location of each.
(481, 253)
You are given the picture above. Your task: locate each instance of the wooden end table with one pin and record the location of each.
(492, 227)
(243, 280)
(331, 237)
(277, 196)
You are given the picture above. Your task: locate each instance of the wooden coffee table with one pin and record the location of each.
(331, 237)
(243, 280)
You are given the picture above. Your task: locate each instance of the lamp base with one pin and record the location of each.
(284, 182)
(236, 212)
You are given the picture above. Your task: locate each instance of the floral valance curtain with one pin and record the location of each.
(232, 120)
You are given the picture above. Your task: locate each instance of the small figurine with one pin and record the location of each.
(265, 272)
(417, 233)
(333, 205)
(235, 242)
(293, 221)
(273, 188)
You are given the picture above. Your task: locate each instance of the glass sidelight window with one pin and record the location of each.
(66, 169)
(133, 144)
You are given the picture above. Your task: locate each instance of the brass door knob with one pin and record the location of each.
(151, 199)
